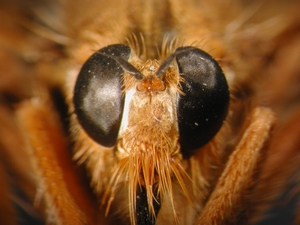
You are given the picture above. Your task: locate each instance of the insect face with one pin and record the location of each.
(154, 114)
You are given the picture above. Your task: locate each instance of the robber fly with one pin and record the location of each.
(149, 112)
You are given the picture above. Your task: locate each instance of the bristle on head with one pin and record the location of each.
(154, 170)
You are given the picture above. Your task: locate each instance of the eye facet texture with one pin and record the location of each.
(203, 107)
(200, 110)
(97, 96)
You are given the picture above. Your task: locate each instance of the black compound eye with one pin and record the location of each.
(203, 107)
(97, 96)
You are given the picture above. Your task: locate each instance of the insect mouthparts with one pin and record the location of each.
(151, 140)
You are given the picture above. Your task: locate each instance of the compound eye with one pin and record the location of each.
(97, 95)
(202, 108)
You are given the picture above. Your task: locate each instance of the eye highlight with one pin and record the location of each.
(203, 107)
(97, 95)
(141, 121)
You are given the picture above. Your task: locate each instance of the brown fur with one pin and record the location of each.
(42, 47)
